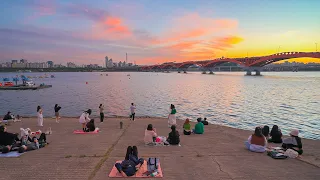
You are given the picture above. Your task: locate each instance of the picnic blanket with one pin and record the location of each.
(81, 132)
(11, 154)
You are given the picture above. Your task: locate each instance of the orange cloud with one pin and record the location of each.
(231, 40)
(183, 45)
(115, 25)
(192, 26)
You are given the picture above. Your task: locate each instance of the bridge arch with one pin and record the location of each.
(168, 66)
(265, 60)
(214, 63)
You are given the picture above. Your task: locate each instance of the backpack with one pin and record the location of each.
(277, 155)
(153, 164)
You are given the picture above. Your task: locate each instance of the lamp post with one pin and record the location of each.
(279, 49)
(316, 47)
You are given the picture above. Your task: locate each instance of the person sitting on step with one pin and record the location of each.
(199, 127)
(8, 118)
(256, 142)
(293, 142)
(150, 135)
(131, 163)
(205, 122)
(174, 136)
(187, 127)
(90, 126)
(275, 135)
(8, 141)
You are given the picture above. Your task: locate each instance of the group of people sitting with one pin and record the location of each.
(28, 141)
(87, 123)
(198, 128)
(151, 137)
(258, 141)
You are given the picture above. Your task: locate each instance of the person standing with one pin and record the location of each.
(101, 108)
(56, 112)
(40, 116)
(84, 118)
(172, 116)
(133, 111)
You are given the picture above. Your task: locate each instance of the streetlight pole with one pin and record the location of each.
(279, 49)
(316, 47)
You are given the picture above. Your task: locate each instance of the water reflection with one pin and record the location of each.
(288, 99)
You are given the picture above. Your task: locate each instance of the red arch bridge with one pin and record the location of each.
(249, 64)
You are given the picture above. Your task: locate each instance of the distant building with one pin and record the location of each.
(50, 64)
(71, 65)
(120, 64)
(23, 61)
(14, 61)
(106, 61)
(37, 65)
(110, 63)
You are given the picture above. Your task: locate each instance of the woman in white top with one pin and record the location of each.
(84, 118)
(40, 116)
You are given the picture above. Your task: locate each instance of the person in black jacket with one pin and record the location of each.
(275, 135)
(8, 117)
(56, 112)
(174, 137)
(7, 140)
(90, 126)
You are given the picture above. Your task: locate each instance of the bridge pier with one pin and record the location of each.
(257, 71)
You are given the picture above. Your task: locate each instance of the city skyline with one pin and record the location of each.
(156, 32)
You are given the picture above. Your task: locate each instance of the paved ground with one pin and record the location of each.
(218, 154)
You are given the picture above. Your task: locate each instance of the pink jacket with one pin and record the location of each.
(148, 136)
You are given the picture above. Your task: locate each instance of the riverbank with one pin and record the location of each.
(217, 154)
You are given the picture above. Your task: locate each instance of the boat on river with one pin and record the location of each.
(25, 87)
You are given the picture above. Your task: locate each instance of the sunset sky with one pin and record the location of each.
(155, 31)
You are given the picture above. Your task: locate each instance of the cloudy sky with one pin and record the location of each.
(155, 31)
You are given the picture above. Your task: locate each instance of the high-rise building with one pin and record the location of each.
(106, 61)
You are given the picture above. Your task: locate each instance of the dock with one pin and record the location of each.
(21, 87)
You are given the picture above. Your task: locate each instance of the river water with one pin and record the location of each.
(288, 99)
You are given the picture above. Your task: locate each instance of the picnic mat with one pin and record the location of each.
(11, 154)
(81, 132)
(139, 174)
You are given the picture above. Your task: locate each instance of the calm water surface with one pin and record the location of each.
(290, 100)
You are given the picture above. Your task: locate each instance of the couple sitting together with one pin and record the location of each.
(27, 142)
(151, 137)
(198, 129)
(87, 123)
(257, 142)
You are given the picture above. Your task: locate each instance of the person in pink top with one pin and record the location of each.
(150, 135)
